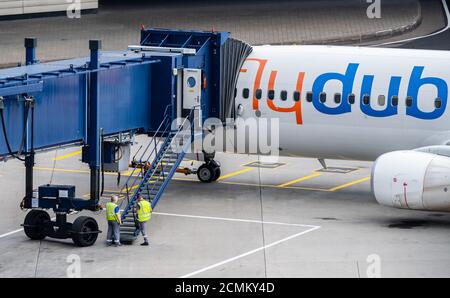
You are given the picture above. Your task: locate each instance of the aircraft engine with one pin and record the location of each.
(412, 180)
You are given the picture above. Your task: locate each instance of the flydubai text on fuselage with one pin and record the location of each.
(355, 103)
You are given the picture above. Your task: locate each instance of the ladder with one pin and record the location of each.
(154, 170)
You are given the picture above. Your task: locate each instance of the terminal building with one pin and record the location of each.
(25, 8)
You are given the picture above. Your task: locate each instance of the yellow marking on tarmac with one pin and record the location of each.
(69, 171)
(273, 186)
(190, 180)
(129, 188)
(233, 174)
(299, 180)
(128, 173)
(339, 187)
(265, 166)
(67, 155)
(231, 183)
(236, 183)
(61, 170)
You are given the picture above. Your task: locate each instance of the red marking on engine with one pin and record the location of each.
(404, 192)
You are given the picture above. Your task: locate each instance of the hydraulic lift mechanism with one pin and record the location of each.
(101, 102)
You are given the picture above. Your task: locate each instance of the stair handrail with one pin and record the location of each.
(166, 117)
(128, 200)
(164, 166)
(143, 171)
(154, 167)
(145, 175)
(153, 140)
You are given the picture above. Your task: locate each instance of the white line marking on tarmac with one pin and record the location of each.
(250, 252)
(10, 233)
(447, 14)
(311, 228)
(204, 217)
(235, 219)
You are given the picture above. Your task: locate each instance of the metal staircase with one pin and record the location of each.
(154, 170)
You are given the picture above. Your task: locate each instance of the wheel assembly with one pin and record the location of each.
(209, 172)
(217, 173)
(206, 173)
(34, 225)
(84, 231)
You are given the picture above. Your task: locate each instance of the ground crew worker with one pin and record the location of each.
(144, 213)
(114, 222)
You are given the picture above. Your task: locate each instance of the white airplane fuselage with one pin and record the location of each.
(400, 98)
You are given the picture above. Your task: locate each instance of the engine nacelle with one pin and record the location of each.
(412, 180)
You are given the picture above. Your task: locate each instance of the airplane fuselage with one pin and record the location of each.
(348, 102)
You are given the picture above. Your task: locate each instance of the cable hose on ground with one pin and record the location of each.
(102, 159)
(54, 167)
(24, 133)
(120, 150)
(8, 145)
(103, 182)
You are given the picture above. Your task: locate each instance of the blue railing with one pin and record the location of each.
(162, 131)
(155, 172)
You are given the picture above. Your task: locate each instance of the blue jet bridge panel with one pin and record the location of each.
(134, 88)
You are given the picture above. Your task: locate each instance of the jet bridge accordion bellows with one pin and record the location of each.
(233, 55)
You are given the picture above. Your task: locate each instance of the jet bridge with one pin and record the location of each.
(101, 102)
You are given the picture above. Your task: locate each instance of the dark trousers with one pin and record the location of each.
(113, 231)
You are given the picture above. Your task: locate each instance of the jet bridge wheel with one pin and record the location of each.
(217, 171)
(34, 224)
(85, 231)
(209, 172)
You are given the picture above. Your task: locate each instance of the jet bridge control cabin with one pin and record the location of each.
(101, 102)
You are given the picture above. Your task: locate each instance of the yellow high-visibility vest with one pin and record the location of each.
(144, 212)
(111, 211)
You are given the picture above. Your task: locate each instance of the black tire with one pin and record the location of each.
(217, 173)
(34, 224)
(206, 173)
(84, 224)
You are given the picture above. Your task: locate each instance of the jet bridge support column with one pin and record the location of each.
(29, 157)
(30, 59)
(30, 53)
(94, 144)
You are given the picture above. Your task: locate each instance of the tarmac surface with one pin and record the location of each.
(433, 33)
(256, 22)
(291, 220)
(287, 221)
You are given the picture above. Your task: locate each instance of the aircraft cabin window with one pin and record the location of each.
(284, 95)
(366, 99)
(381, 100)
(438, 103)
(258, 93)
(246, 93)
(322, 97)
(351, 98)
(309, 96)
(394, 100)
(337, 98)
(296, 96)
(409, 101)
(271, 94)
